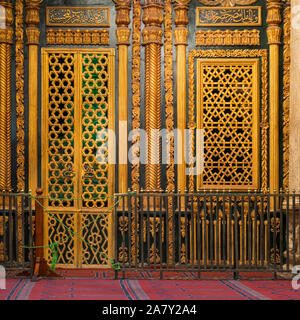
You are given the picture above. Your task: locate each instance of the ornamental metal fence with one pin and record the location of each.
(196, 232)
(16, 230)
(207, 231)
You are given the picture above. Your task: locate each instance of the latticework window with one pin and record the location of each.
(228, 112)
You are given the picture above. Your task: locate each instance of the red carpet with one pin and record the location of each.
(97, 285)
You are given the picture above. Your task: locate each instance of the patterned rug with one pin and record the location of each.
(94, 287)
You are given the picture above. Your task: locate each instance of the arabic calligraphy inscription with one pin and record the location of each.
(77, 16)
(216, 16)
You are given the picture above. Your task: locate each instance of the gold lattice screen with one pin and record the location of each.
(78, 104)
(228, 112)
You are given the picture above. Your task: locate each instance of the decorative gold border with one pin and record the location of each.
(77, 37)
(286, 94)
(228, 37)
(198, 24)
(255, 122)
(111, 171)
(19, 26)
(169, 93)
(44, 52)
(77, 24)
(136, 90)
(235, 53)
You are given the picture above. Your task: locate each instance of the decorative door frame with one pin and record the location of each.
(77, 212)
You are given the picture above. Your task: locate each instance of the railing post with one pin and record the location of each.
(40, 268)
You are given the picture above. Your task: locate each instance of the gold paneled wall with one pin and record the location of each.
(180, 64)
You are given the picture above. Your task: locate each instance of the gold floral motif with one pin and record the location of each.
(155, 227)
(169, 110)
(136, 92)
(227, 3)
(182, 226)
(123, 224)
(123, 254)
(154, 254)
(19, 24)
(90, 37)
(228, 38)
(286, 93)
(136, 113)
(275, 225)
(275, 257)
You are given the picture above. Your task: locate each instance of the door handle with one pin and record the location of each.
(69, 172)
(88, 172)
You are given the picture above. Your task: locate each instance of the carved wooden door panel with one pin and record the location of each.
(78, 109)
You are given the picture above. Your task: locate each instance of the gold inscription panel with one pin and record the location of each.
(228, 16)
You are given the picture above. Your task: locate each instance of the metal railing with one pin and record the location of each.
(16, 230)
(207, 231)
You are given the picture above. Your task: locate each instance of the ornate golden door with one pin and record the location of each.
(78, 102)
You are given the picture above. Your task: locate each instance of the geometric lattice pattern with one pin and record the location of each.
(61, 129)
(57, 232)
(227, 110)
(94, 120)
(78, 106)
(96, 235)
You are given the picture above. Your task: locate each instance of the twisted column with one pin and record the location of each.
(153, 116)
(8, 113)
(6, 37)
(3, 118)
(152, 36)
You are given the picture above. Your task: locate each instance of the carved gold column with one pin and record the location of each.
(169, 109)
(274, 35)
(291, 54)
(181, 37)
(123, 36)
(136, 113)
(6, 40)
(33, 34)
(19, 25)
(19, 47)
(152, 36)
(136, 92)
